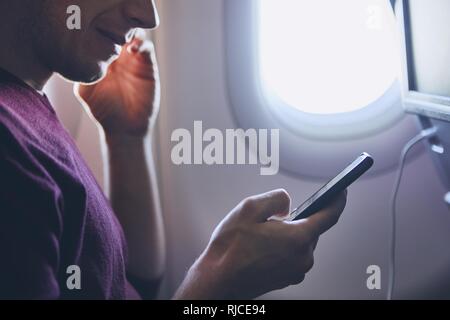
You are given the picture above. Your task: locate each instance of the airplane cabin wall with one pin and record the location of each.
(190, 44)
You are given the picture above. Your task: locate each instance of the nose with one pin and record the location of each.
(141, 14)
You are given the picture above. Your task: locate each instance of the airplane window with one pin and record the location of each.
(326, 73)
(313, 54)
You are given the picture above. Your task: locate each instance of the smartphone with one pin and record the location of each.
(330, 190)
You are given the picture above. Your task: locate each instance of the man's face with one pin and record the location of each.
(82, 55)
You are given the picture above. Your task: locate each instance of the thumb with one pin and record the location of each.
(262, 207)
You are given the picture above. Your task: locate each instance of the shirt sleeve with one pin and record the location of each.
(30, 225)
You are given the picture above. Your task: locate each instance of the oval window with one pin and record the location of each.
(313, 54)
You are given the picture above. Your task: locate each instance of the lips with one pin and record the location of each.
(115, 38)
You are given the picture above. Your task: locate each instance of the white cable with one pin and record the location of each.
(424, 134)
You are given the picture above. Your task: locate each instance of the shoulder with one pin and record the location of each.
(29, 196)
(19, 167)
(11, 139)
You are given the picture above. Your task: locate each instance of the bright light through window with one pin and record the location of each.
(328, 56)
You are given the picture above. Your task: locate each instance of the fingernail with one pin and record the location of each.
(130, 35)
(147, 46)
(133, 48)
(139, 33)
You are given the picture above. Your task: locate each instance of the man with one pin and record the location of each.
(54, 216)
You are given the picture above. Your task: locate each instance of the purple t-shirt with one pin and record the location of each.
(53, 214)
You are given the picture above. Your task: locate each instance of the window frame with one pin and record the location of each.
(333, 139)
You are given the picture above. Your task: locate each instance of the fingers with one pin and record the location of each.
(134, 45)
(314, 246)
(297, 279)
(294, 278)
(139, 56)
(323, 220)
(263, 206)
(142, 48)
(135, 40)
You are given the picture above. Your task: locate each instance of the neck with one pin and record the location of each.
(25, 68)
(18, 58)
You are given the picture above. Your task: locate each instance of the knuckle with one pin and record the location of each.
(300, 246)
(223, 238)
(295, 278)
(308, 263)
(240, 231)
(300, 279)
(342, 202)
(283, 196)
(305, 238)
(336, 209)
(334, 219)
(249, 204)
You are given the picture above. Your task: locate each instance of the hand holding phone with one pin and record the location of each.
(330, 190)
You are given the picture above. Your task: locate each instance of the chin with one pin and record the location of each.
(87, 65)
(85, 72)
